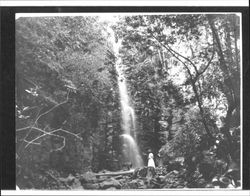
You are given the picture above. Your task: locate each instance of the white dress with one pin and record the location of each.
(151, 162)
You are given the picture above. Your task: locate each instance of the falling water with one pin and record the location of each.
(130, 147)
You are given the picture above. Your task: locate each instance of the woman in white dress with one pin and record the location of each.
(151, 166)
(151, 162)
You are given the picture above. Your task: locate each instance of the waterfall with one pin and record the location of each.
(130, 147)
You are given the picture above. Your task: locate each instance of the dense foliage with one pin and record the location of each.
(66, 99)
(183, 73)
(184, 76)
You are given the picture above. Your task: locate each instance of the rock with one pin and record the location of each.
(87, 178)
(174, 184)
(69, 180)
(170, 175)
(91, 186)
(76, 185)
(174, 165)
(141, 184)
(154, 183)
(135, 184)
(140, 172)
(161, 170)
(161, 178)
(111, 183)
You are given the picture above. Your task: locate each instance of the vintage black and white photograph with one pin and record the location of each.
(128, 101)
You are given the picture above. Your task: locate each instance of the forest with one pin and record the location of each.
(96, 94)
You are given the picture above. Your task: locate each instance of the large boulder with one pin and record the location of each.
(88, 177)
(76, 185)
(136, 184)
(140, 172)
(92, 186)
(110, 183)
(173, 179)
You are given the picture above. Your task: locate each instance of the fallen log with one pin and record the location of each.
(116, 173)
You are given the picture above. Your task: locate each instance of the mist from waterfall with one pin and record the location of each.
(130, 147)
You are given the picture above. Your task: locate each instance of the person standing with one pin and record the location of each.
(151, 166)
(151, 162)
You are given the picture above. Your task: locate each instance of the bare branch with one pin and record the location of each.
(35, 143)
(39, 116)
(178, 54)
(193, 80)
(76, 135)
(209, 62)
(22, 129)
(33, 140)
(32, 125)
(190, 46)
(172, 52)
(45, 133)
(61, 147)
(220, 51)
(51, 133)
(53, 107)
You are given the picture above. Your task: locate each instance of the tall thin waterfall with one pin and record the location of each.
(130, 147)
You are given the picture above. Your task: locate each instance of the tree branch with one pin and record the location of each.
(32, 125)
(209, 62)
(174, 53)
(216, 36)
(53, 108)
(177, 53)
(47, 133)
(39, 116)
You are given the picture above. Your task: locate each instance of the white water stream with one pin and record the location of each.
(130, 147)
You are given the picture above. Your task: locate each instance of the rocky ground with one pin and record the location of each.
(141, 178)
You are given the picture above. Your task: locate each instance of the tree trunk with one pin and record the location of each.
(232, 90)
(116, 173)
